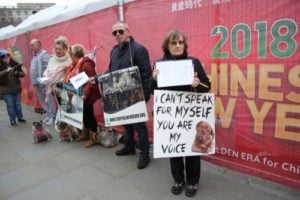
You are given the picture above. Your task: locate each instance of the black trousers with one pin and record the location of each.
(189, 166)
(89, 120)
(142, 131)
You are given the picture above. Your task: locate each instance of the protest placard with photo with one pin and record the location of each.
(184, 124)
(71, 109)
(123, 97)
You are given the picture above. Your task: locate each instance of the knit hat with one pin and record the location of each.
(3, 52)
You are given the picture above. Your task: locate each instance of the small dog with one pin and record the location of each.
(65, 131)
(40, 134)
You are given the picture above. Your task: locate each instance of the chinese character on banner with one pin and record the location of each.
(174, 7)
(189, 4)
(198, 3)
(180, 5)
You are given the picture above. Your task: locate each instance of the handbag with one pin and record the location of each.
(108, 137)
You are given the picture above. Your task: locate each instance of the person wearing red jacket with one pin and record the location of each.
(81, 63)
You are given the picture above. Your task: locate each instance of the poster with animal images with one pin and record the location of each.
(184, 124)
(71, 108)
(123, 97)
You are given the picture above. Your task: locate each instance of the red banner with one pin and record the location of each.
(250, 51)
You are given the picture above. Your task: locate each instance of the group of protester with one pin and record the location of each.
(68, 62)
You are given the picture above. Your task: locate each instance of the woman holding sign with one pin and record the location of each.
(175, 49)
(10, 86)
(81, 63)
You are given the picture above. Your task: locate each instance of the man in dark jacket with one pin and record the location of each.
(125, 54)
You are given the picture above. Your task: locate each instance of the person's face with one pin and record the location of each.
(6, 58)
(59, 50)
(176, 46)
(120, 33)
(35, 47)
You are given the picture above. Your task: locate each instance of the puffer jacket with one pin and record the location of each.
(10, 81)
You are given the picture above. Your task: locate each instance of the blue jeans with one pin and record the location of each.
(142, 131)
(13, 106)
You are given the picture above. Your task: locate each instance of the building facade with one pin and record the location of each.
(11, 15)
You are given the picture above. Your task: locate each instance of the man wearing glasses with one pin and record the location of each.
(125, 54)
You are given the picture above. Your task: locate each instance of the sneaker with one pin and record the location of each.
(191, 190)
(177, 188)
(13, 123)
(50, 122)
(22, 120)
(125, 151)
(143, 162)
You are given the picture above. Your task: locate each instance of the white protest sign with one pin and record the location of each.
(172, 73)
(43, 80)
(79, 80)
(123, 97)
(71, 109)
(184, 124)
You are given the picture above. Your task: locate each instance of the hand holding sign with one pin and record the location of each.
(79, 80)
(173, 73)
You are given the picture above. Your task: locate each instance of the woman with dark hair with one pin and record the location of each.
(10, 87)
(175, 48)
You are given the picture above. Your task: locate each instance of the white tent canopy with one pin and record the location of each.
(56, 14)
(7, 29)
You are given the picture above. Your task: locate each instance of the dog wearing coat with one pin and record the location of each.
(40, 133)
(65, 131)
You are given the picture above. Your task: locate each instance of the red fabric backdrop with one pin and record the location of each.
(250, 51)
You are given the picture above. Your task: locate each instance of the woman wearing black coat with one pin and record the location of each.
(175, 48)
(10, 87)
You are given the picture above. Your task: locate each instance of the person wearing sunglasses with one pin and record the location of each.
(10, 87)
(175, 48)
(128, 53)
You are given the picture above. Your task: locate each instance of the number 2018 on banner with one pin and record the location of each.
(282, 45)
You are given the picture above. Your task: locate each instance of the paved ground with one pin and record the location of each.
(67, 171)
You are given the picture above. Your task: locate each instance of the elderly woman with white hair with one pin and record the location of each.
(81, 63)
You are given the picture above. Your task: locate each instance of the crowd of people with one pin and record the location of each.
(69, 61)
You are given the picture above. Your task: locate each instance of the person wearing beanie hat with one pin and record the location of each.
(3, 52)
(10, 87)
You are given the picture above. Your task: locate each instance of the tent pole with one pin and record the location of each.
(121, 16)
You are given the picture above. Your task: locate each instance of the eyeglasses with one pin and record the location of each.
(121, 32)
(174, 43)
